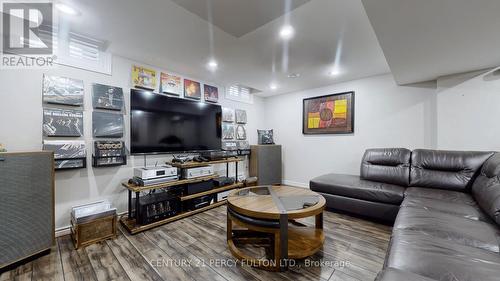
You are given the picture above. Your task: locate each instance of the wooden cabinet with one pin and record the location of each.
(265, 164)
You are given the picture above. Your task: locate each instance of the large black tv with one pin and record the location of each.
(162, 124)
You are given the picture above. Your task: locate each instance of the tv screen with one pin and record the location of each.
(162, 124)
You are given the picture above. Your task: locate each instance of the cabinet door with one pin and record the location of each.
(26, 205)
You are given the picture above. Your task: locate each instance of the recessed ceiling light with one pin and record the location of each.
(66, 9)
(273, 86)
(287, 32)
(334, 72)
(212, 65)
(293, 75)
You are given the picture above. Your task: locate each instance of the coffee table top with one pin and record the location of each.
(269, 202)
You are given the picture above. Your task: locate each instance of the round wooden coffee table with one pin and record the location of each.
(267, 215)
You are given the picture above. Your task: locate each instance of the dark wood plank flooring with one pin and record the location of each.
(195, 249)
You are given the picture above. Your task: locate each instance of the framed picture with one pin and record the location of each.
(62, 90)
(227, 131)
(330, 114)
(170, 84)
(107, 125)
(241, 132)
(241, 116)
(62, 122)
(227, 115)
(107, 97)
(192, 89)
(143, 77)
(211, 93)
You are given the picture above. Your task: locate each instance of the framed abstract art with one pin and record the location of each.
(330, 114)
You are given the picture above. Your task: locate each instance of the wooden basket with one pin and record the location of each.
(87, 233)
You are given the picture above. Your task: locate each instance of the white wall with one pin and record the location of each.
(21, 129)
(468, 107)
(386, 115)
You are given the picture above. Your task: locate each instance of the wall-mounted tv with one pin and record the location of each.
(163, 124)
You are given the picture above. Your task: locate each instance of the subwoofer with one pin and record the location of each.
(27, 205)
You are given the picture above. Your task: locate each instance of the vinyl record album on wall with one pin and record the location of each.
(241, 132)
(62, 90)
(143, 77)
(227, 131)
(170, 84)
(66, 149)
(227, 115)
(330, 114)
(211, 93)
(62, 122)
(107, 97)
(109, 125)
(192, 89)
(241, 116)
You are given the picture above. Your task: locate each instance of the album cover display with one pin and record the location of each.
(109, 148)
(241, 116)
(243, 144)
(143, 77)
(107, 97)
(62, 90)
(227, 115)
(227, 131)
(69, 164)
(229, 145)
(66, 149)
(105, 124)
(211, 93)
(241, 132)
(170, 84)
(62, 122)
(192, 89)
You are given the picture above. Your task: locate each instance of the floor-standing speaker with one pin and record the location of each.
(27, 205)
(265, 163)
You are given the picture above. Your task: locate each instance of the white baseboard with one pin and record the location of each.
(295, 183)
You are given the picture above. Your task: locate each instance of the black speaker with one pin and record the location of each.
(27, 208)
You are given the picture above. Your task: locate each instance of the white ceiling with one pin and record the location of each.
(426, 39)
(164, 34)
(238, 17)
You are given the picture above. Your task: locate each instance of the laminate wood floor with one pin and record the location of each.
(195, 249)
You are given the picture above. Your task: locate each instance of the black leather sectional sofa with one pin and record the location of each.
(446, 207)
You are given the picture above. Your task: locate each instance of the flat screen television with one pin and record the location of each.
(163, 124)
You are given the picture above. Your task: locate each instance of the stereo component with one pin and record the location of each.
(158, 205)
(193, 188)
(148, 173)
(197, 172)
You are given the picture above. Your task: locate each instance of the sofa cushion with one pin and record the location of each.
(443, 195)
(486, 188)
(449, 227)
(451, 170)
(458, 209)
(354, 187)
(392, 274)
(441, 259)
(387, 165)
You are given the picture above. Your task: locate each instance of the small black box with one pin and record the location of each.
(193, 188)
(200, 202)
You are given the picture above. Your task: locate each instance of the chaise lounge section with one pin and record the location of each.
(446, 207)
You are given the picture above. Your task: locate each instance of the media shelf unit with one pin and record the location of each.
(130, 224)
